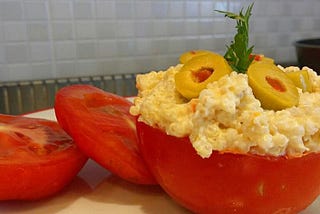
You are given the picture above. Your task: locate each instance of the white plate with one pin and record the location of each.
(95, 191)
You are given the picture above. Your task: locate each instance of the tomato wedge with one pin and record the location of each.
(37, 158)
(101, 125)
(227, 182)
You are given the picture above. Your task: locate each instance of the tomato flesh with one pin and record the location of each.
(101, 125)
(37, 158)
(226, 182)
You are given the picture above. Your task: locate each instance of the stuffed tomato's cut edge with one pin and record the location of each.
(103, 128)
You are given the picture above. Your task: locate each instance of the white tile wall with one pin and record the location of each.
(61, 38)
(60, 10)
(11, 10)
(38, 31)
(35, 10)
(62, 30)
(40, 52)
(65, 50)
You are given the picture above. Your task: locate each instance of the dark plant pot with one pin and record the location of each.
(308, 53)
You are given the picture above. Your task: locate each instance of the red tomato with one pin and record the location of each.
(226, 182)
(101, 125)
(37, 158)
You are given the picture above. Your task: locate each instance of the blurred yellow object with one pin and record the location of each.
(261, 58)
(190, 54)
(301, 79)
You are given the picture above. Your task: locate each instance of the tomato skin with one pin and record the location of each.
(29, 175)
(226, 182)
(37, 181)
(102, 127)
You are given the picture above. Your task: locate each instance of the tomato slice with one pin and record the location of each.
(101, 125)
(37, 158)
(226, 182)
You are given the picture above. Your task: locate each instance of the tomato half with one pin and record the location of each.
(226, 182)
(37, 158)
(101, 125)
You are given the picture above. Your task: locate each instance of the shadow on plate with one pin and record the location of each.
(76, 189)
(149, 199)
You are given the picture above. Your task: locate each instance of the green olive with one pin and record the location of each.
(272, 86)
(197, 72)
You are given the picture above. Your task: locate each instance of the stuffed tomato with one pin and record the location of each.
(244, 143)
(233, 133)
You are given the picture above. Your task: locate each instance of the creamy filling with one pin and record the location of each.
(227, 117)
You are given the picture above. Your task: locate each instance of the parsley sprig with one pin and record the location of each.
(238, 53)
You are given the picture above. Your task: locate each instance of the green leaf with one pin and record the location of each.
(238, 53)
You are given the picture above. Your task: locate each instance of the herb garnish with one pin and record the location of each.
(238, 53)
